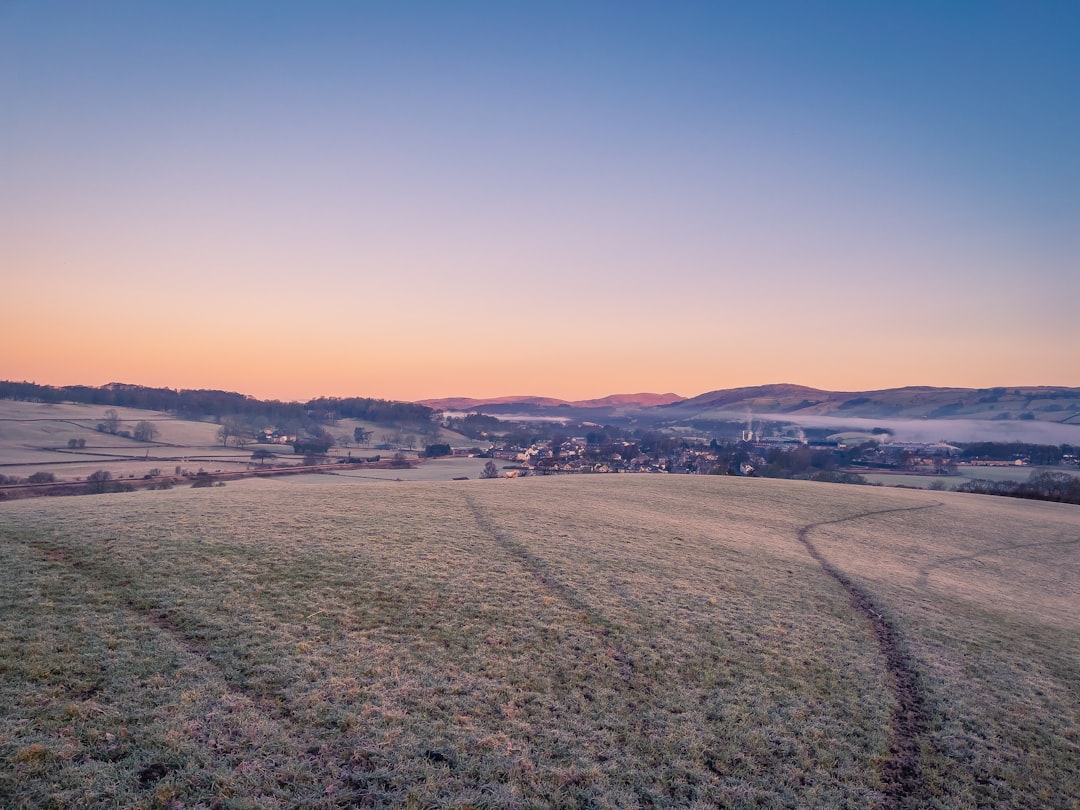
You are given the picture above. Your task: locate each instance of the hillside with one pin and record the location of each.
(1048, 403)
(611, 641)
(643, 400)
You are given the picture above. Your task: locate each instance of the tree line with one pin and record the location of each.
(1039, 454)
(208, 403)
(1040, 486)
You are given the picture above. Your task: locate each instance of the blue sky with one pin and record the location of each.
(570, 199)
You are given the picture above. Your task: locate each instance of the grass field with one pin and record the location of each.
(964, 474)
(602, 641)
(34, 438)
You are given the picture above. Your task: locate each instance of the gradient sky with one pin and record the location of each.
(573, 199)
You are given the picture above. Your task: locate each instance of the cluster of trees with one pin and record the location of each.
(1041, 486)
(143, 432)
(33, 478)
(478, 425)
(208, 403)
(380, 411)
(102, 481)
(195, 403)
(1040, 454)
(801, 462)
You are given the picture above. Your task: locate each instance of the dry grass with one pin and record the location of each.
(610, 641)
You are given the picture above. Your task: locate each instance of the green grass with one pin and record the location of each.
(615, 641)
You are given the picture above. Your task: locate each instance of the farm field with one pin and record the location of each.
(34, 438)
(602, 641)
(965, 473)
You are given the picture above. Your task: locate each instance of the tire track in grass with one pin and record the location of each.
(901, 773)
(600, 624)
(130, 599)
(924, 572)
(237, 724)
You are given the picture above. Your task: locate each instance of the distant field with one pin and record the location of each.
(601, 641)
(964, 473)
(34, 438)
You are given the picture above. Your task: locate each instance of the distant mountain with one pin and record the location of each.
(629, 400)
(532, 402)
(1047, 403)
(1040, 403)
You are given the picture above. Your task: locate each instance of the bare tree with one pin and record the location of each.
(112, 421)
(233, 431)
(225, 432)
(145, 432)
(490, 470)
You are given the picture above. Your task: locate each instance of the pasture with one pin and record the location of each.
(34, 438)
(601, 641)
(964, 474)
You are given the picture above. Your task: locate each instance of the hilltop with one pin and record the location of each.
(629, 401)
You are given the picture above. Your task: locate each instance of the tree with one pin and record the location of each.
(225, 432)
(262, 455)
(361, 436)
(490, 470)
(436, 450)
(145, 432)
(99, 481)
(233, 431)
(112, 421)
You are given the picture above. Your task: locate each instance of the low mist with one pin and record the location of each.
(933, 430)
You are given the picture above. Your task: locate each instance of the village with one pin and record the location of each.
(751, 455)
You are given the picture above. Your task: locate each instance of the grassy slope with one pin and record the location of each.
(34, 436)
(608, 641)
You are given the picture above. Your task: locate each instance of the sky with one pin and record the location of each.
(571, 199)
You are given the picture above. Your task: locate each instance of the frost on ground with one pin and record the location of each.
(612, 641)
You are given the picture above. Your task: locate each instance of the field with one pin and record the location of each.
(607, 641)
(34, 439)
(964, 474)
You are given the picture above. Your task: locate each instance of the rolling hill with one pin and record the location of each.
(628, 401)
(609, 641)
(1048, 403)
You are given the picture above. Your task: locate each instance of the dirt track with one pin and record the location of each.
(901, 774)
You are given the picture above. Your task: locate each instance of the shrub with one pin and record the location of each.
(202, 479)
(833, 477)
(100, 481)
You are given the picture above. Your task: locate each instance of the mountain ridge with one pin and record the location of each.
(645, 400)
(1046, 403)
